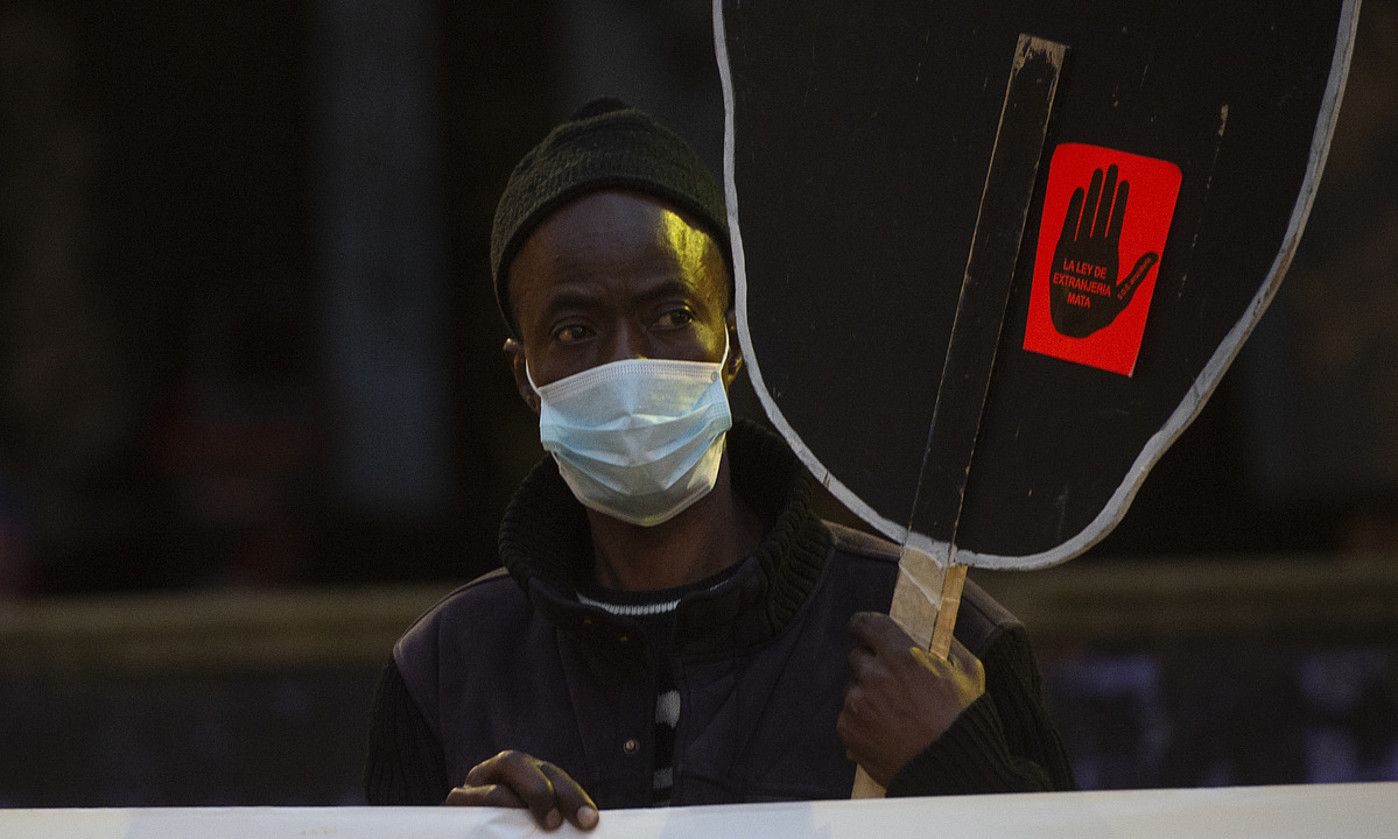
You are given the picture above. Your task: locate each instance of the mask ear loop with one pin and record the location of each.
(529, 377)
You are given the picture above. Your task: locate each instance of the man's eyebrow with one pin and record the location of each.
(670, 287)
(574, 296)
(569, 298)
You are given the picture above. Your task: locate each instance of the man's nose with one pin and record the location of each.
(628, 342)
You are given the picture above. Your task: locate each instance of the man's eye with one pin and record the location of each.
(571, 333)
(676, 318)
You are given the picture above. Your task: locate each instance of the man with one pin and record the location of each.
(676, 626)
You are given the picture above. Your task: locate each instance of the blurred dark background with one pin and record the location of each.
(254, 415)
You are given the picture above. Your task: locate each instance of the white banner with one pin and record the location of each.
(1354, 811)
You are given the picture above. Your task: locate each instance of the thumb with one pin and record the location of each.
(1126, 289)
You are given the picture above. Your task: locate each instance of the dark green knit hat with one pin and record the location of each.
(606, 144)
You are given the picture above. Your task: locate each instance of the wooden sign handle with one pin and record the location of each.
(914, 616)
(952, 584)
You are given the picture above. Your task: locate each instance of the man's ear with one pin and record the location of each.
(514, 352)
(735, 350)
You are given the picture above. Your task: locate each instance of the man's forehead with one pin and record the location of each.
(619, 216)
(613, 233)
(616, 248)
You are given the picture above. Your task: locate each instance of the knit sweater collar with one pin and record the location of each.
(544, 536)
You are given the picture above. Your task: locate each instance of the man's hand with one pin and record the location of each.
(1084, 292)
(901, 699)
(515, 779)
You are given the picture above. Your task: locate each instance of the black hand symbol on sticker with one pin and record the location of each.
(1084, 293)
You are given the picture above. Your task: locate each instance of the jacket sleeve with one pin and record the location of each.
(405, 765)
(1003, 742)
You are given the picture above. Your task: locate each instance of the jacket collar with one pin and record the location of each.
(546, 545)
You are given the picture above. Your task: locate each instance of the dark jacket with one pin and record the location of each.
(516, 662)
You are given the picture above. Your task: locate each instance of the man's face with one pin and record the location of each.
(611, 276)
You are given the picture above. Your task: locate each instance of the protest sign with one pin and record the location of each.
(992, 258)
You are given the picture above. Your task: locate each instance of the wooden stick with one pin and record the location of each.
(952, 584)
(865, 786)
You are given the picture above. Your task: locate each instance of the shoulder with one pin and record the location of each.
(861, 568)
(494, 595)
(982, 621)
(860, 547)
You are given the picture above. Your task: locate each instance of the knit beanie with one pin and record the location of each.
(606, 144)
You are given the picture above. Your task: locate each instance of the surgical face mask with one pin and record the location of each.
(639, 439)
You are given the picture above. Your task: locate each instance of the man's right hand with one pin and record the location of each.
(515, 779)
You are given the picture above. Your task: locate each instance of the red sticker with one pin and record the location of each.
(1105, 220)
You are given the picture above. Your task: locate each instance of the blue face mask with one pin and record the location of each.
(639, 439)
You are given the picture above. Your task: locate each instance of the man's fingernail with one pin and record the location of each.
(553, 819)
(587, 817)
